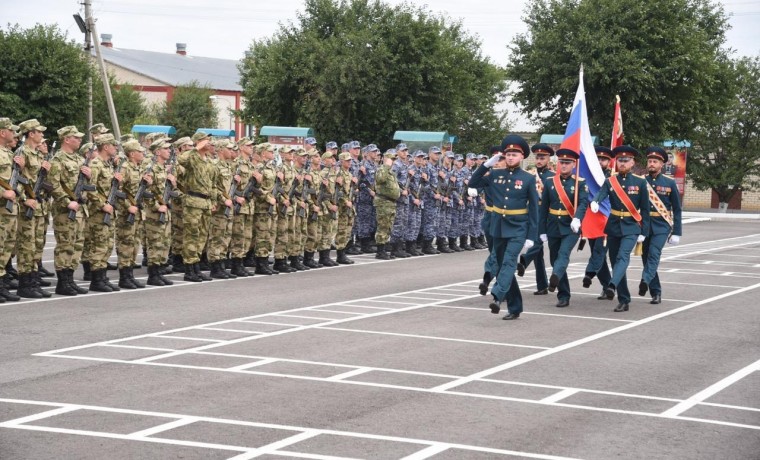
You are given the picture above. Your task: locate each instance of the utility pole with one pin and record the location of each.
(92, 30)
(88, 50)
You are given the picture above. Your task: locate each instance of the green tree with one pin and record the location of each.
(361, 69)
(665, 58)
(725, 156)
(129, 104)
(44, 76)
(189, 109)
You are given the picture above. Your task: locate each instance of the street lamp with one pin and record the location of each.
(229, 106)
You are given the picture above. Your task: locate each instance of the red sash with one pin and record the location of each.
(563, 196)
(625, 199)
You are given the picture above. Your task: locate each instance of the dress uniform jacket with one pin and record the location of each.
(666, 189)
(557, 223)
(620, 223)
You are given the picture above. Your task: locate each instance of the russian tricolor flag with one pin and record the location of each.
(578, 138)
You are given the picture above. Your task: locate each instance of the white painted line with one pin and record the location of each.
(290, 453)
(243, 367)
(179, 337)
(351, 304)
(429, 299)
(262, 322)
(591, 294)
(591, 338)
(713, 389)
(430, 337)
(39, 416)
(135, 347)
(396, 303)
(227, 330)
(540, 314)
(698, 284)
(345, 375)
(560, 395)
(427, 452)
(728, 406)
(164, 427)
(304, 317)
(351, 313)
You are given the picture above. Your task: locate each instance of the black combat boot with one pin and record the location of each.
(352, 249)
(108, 281)
(295, 263)
(138, 284)
(238, 269)
(464, 244)
(381, 254)
(125, 282)
(409, 248)
(262, 266)
(396, 251)
(328, 260)
(177, 264)
(443, 247)
(26, 287)
(145, 257)
(199, 270)
(98, 282)
(87, 273)
(153, 276)
(427, 247)
(62, 287)
(10, 271)
(43, 271)
(250, 259)
(217, 270)
(204, 265)
(453, 245)
(308, 260)
(366, 247)
(167, 282)
(111, 267)
(281, 266)
(191, 275)
(36, 279)
(342, 259)
(39, 280)
(73, 284)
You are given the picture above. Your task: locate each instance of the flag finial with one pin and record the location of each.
(617, 98)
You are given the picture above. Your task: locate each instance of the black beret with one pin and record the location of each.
(657, 152)
(495, 148)
(516, 143)
(542, 149)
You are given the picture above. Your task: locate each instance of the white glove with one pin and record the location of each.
(493, 160)
(594, 206)
(528, 244)
(575, 225)
(674, 239)
(641, 239)
(543, 238)
(473, 192)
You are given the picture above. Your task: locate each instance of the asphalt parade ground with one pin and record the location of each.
(394, 359)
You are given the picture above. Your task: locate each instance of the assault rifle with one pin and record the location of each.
(114, 194)
(291, 193)
(305, 191)
(142, 191)
(248, 192)
(233, 191)
(169, 191)
(40, 185)
(82, 185)
(16, 176)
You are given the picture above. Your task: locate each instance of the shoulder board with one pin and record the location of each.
(640, 177)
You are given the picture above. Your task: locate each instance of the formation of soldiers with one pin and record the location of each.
(524, 211)
(197, 205)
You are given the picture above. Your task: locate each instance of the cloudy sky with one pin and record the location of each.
(225, 28)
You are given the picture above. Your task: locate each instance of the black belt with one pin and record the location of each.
(199, 195)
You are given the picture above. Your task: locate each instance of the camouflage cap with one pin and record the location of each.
(301, 152)
(344, 156)
(152, 137)
(244, 141)
(29, 125)
(434, 149)
(68, 131)
(132, 145)
(390, 153)
(458, 157)
(331, 145)
(98, 128)
(311, 141)
(419, 153)
(450, 154)
(5, 123)
(354, 145)
(182, 141)
(372, 148)
(105, 139)
(327, 155)
(265, 147)
(86, 148)
(157, 144)
(401, 147)
(126, 137)
(344, 147)
(199, 136)
(287, 149)
(471, 156)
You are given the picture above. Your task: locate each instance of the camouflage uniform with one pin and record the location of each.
(263, 217)
(328, 220)
(414, 222)
(242, 222)
(431, 208)
(8, 219)
(346, 214)
(285, 221)
(300, 219)
(220, 232)
(157, 233)
(401, 171)
(125, 231)
(313, 233)
(387, 192)
(366, 218)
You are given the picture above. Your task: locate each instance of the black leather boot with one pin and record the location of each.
(308, 260)
(295, 263)
(26, 287)
(98, 282)
(138, 284)
(43, 271)
(453, 245)
(262, 266)
(381, 254)
(153, 276)
(125, 282)
(178, 265)
(73, 284)
(217, 270)
(199, 271)
(191, 275)
(343, 259)
(238, 269)
(250, 259)
(36, 280)
(281, 266)
(87, 273)
(108, 281)
(427, 247)
(37, 276)
(463, 243)
(443, 247)
(62, 287)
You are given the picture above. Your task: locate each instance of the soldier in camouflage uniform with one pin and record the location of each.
(387, 192)
(431, 199)
(157, 233)
(346, 212)
(242, 219)
(456, 200)
(44, 219)
(198, 178)
(126, 231)
(417, 181)
(446, 183)
(300, 204)
(99, 234)
(181, 145)
(69, 233)
(401, 169)
(265, 211)
(329, 219)
(220, 232)
(8, 220)
(354, 149)
(313, 234)
(366, 218)
(250, 256)
(26, 247)
(285, 211)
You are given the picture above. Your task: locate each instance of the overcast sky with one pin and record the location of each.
(225, 28)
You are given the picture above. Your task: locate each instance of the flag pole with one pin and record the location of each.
(577, 176)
